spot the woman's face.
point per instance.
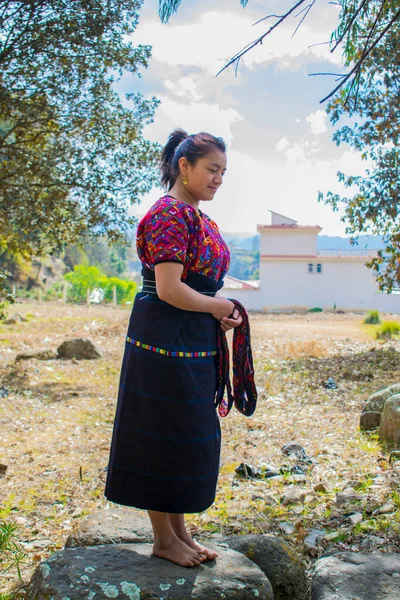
(206, 175)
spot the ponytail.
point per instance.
(168, 172)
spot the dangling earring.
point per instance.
(185, 180)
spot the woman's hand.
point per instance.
(222, 307)
(227, 323)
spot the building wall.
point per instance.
(348, 283)
(288, 241)
(251, 299)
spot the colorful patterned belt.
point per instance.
(178, 353)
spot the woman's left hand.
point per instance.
(230, 323)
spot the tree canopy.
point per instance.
(72, 154)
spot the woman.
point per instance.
(166, 441)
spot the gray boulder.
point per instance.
(130, 571)
(81, 349)
(370, 420)
(353, 576)
(43, 354)
(112, 526)
(389, 428)
(376, 402)
(278, 560)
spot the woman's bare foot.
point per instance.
(189, 541)
(178, 552)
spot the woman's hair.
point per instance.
(192, 147)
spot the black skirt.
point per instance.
(166, 440)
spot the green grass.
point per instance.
(388, 330)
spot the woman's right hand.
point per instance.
(222, 308)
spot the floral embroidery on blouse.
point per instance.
(172, 231)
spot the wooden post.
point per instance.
(14, 289)
(88, 296)
(40, 295)
(64, 294)
(115, 295)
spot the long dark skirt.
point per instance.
(166, 440)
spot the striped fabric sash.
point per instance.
(178, 353)
(244, 394)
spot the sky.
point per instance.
(280, 149)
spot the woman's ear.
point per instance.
(183, 166)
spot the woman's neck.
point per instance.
(179, 192)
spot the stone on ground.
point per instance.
(277, 559)
(389, 429)
(354, 576)
(376, 401)
(42, 354)
(129, 571)
(370, 420)
(81, 349)
(114, 525)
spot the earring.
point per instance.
(185, 180)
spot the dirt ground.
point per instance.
(56, 421)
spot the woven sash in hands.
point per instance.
(244, 389)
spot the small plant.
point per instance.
(316, 309)
(388, 330)
(11, 554)
(372, 318)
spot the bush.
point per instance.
(372, 318)
(84, 277)
(316, 309)
(388, 329)
(54, 292)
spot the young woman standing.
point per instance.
(166, 441)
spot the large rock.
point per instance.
(130, 571)
(376, 402)
(81, 349)
(353, 576)
(112, 526)
(277, 559)
(389, 429)
(43, 354)
(370, 420)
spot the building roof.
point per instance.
(238, 284)
(260, 227)
(328, 254)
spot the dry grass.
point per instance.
(56, 424)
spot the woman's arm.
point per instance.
(171, 289)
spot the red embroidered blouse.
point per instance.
(173, 231)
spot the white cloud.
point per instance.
(317, 121)
(185, 87)
(193, 117)
(217, 36)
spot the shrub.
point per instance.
(316, 309)
(372, 318)
(388, 329)
(54, 292)
(126, 290)
(84, 277)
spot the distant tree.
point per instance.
(72, 154)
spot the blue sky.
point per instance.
(280, 149)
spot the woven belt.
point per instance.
(149, 287)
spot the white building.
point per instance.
(294, 275)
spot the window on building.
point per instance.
(319, 268)
(310, 267)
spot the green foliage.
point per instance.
(85, 276)
(6, 297)
(372, 318)
(388, 330)
(315, 310)
(369, 109)
(72, 154)
(11, 555)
